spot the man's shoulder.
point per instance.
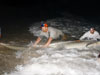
(96, 32)
(52, 28)
(88, 32)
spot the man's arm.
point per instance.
(97, 36)
(48, 42)
(84, 36)
(37, 41)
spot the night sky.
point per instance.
(22, 12)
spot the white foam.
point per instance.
(60, 62)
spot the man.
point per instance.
(50, 33)
(92, 34)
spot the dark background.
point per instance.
(16, 16)
(24, 12)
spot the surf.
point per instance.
(65, 44)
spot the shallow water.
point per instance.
(8, 60)
(49, 61)
(52, 61)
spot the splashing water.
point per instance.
(59, 61)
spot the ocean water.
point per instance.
(56, 61)
(61, 61)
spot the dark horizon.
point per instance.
(13, 12)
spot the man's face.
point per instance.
(92, 30)
(44, 29)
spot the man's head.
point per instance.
(92, 30)
(44, 27)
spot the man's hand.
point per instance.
(34, 45)
(48, 42)
(37, 41)
(45, 46)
